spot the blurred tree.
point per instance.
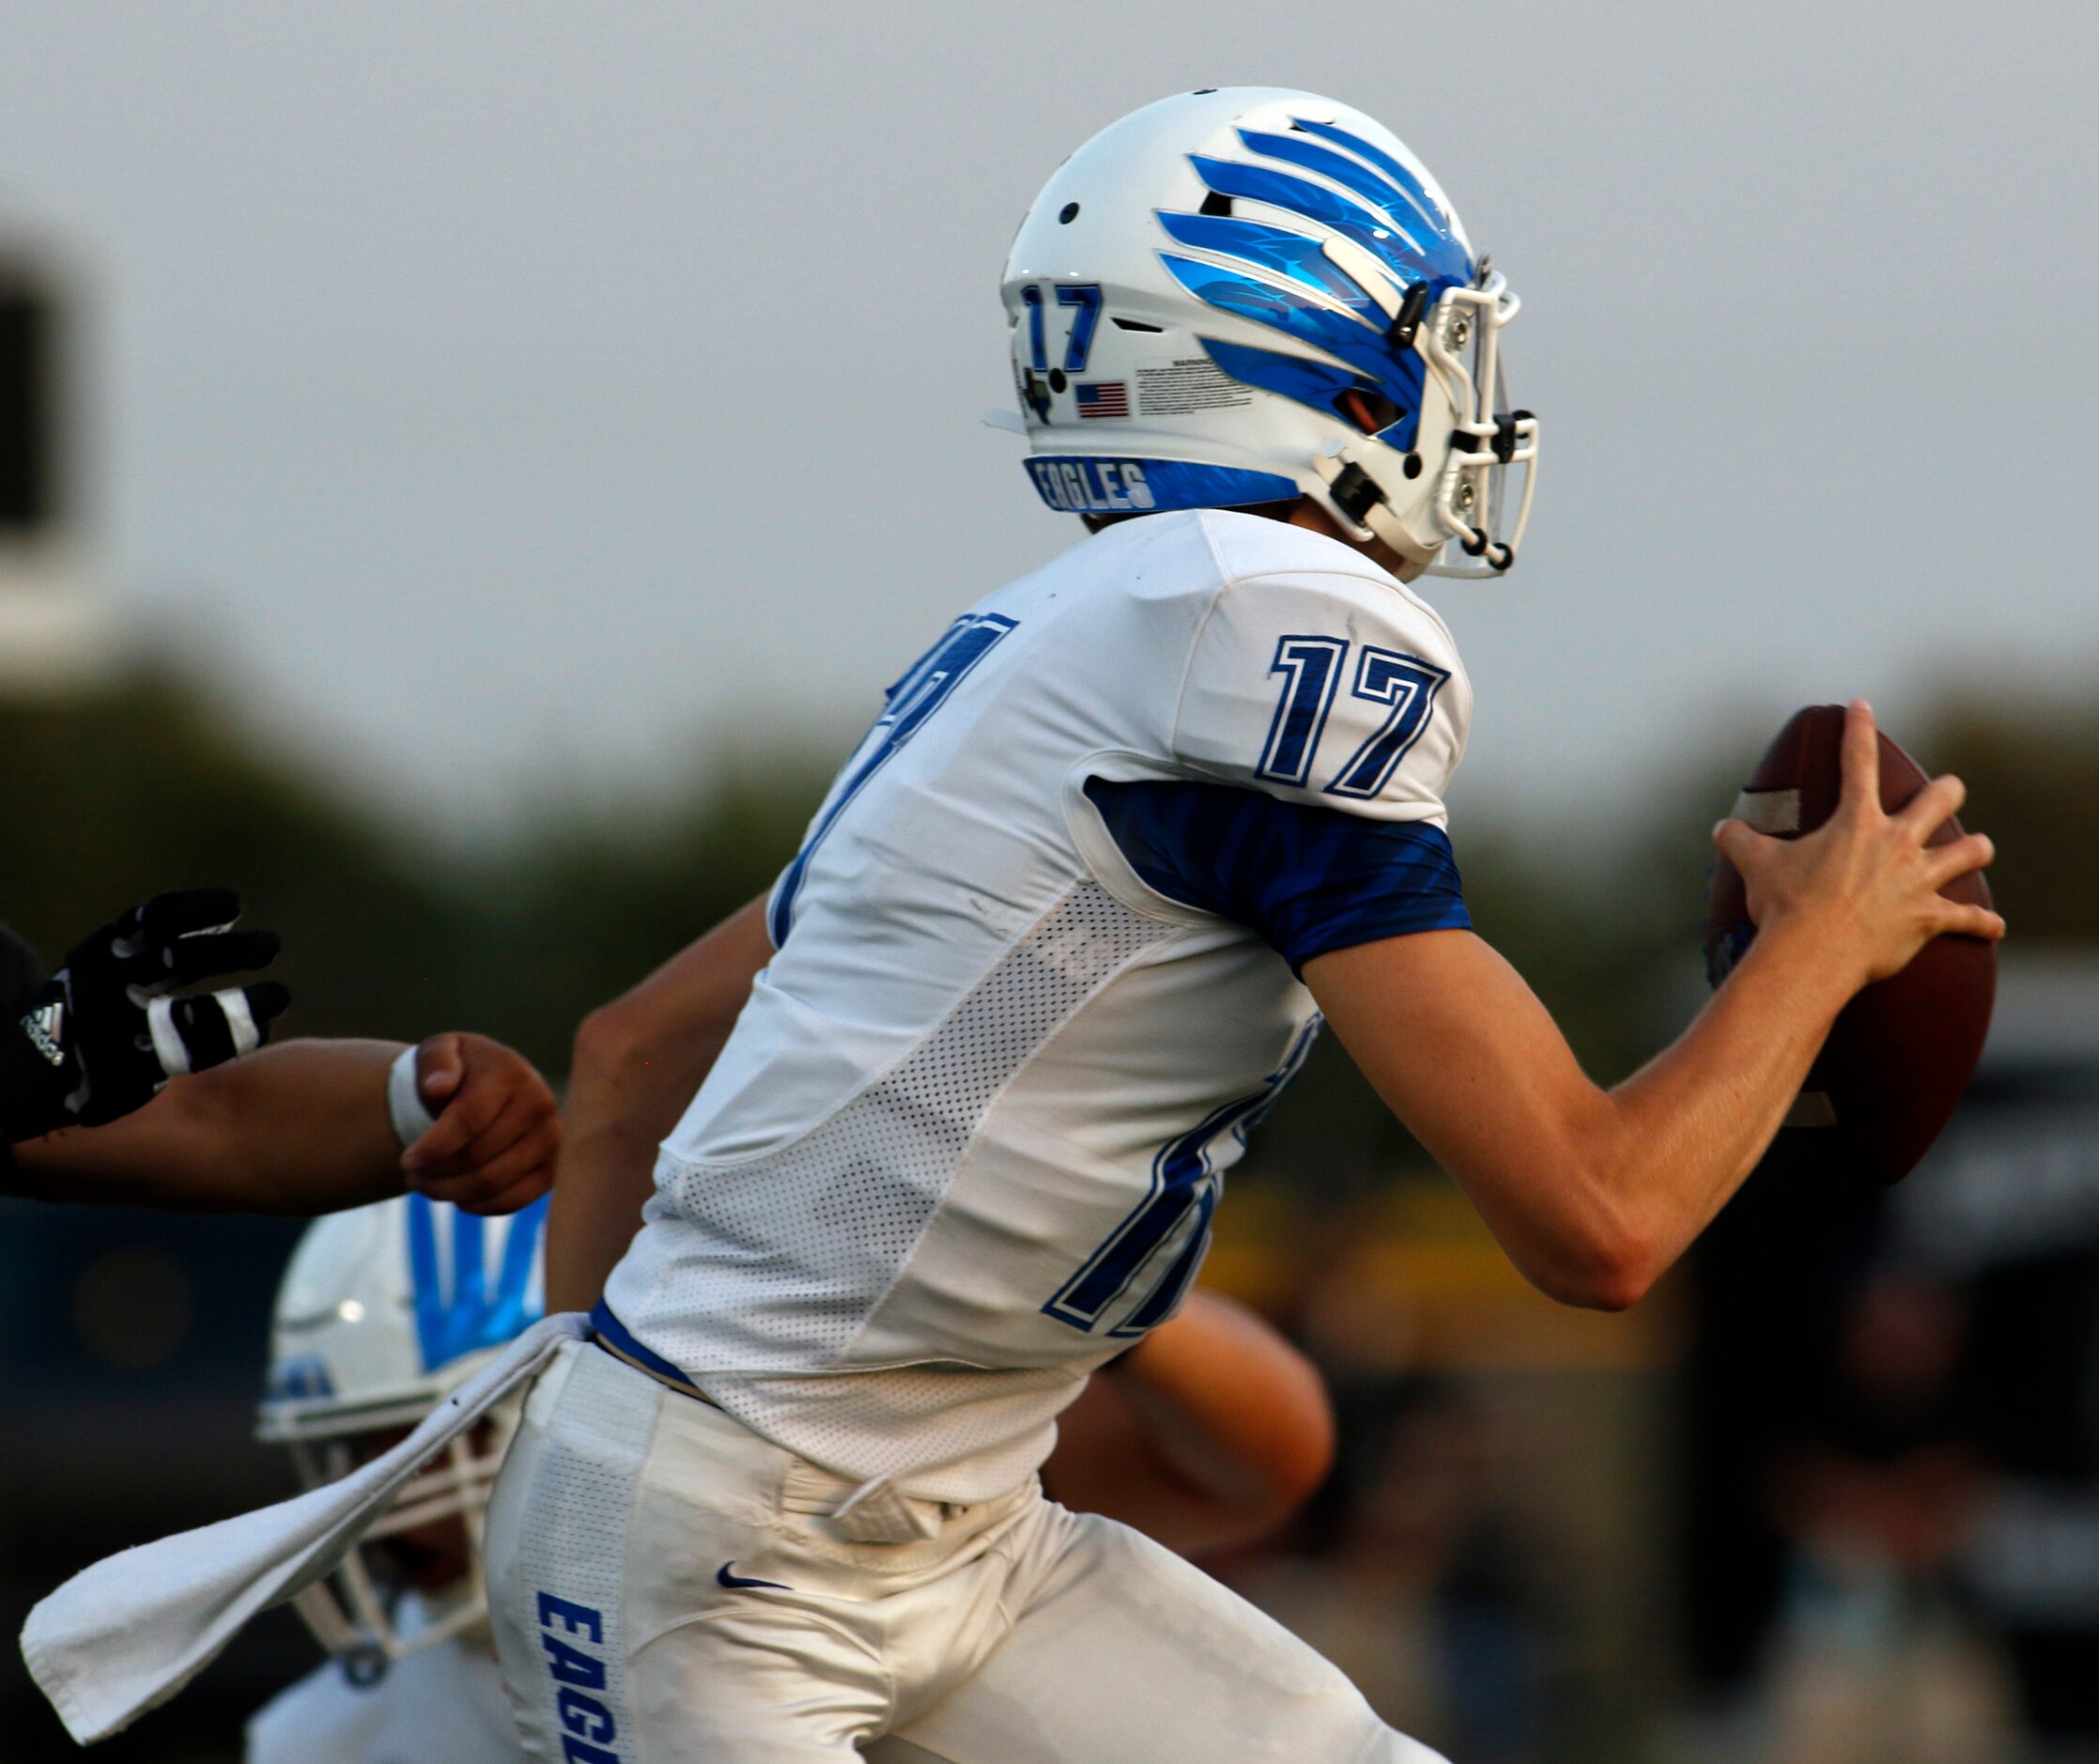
(110, 797)
(2031, 768)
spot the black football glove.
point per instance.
(104, 1034)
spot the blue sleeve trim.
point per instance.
(1309, 879)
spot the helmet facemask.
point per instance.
(1377, 491)
(354, 1611)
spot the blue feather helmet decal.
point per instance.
(1387, 211)
(464, 1313)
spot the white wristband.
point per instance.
(404, 1101)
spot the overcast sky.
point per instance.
(525, 393)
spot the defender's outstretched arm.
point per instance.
(637, 1062)
(303, 1127)
(1595, 1193)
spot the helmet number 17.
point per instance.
(1084, 297)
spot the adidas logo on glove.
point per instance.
(46, 1028)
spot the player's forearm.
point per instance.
(297, 1128)
(1684, 1132)
(1211, 1431)
(1110, 1460)
(637, 1062)
(1240, 1416)
(1592, 1193)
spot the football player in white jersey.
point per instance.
(969, 1078)
(1210, 1436)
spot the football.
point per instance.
(1902, 1052)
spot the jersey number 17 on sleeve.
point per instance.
(1312, 670)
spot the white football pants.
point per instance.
(666, 1589)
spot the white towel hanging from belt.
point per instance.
(125, 1635)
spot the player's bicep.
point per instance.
(1465, 1054)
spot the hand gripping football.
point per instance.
(1902, 1052)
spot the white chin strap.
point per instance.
(1375, 491)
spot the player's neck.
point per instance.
(1308, 514)
(1303, 512)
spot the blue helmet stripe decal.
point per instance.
(426, 1282)
(1388, 198)
(1369, 227)
(1397, 376)
(513, 1310)
(1297, 256)
(1414, 190)
(1310, 383)
(463, 1316)
(1442, 254)
(469, 1291)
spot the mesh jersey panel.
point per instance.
(786, 1257)
(992, 1428)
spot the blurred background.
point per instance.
(467, 472)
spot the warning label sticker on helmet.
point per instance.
(1191, 383)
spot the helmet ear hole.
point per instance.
(1368, 410)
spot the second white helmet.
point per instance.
(1248, 295)
(383, 1313)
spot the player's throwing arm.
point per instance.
(1595, 1193)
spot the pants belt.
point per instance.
(678, 1384)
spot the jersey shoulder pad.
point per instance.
(1329, 685)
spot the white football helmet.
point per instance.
(1243, 296)
(383, 1313)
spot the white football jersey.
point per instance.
(443, 1703)
(966, 1138)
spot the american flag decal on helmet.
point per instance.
(1103, 397)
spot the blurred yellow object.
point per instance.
(1414, 1282)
